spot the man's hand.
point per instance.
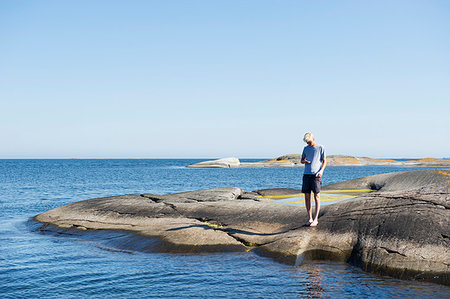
(304, 161)
(319, 174)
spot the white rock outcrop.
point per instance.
(220, 163)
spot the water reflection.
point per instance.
(313, 283)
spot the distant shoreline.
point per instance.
(293, 160)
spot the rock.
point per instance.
(278, 192)
(290, 157)
(253, 196)
(396, 231)
(217, 194)
(220, 163)
(394, 181)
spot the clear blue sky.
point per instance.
(223, 78)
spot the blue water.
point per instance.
(35, 265)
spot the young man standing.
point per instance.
(315, 161)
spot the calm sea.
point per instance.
(35, 265)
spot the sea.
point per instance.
(34, 264)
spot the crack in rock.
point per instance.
(392, 251)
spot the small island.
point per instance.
(293, 160)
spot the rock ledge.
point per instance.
(401, 230)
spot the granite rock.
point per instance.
(401, 230)
(220, 163)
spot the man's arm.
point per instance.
(303, 160)
(324, 164)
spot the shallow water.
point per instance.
(33, 264)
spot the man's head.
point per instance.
(309, 138)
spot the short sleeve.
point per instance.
(323, 155)
(303, 153)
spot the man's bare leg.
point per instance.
(316, 215)
(308, 207)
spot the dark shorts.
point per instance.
(311, 183)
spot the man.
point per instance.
(315, 161)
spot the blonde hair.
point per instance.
(308, 137)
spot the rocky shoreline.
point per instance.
(401, 229)
(332, 160)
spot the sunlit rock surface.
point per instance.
(220, 163)
(401, 229)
